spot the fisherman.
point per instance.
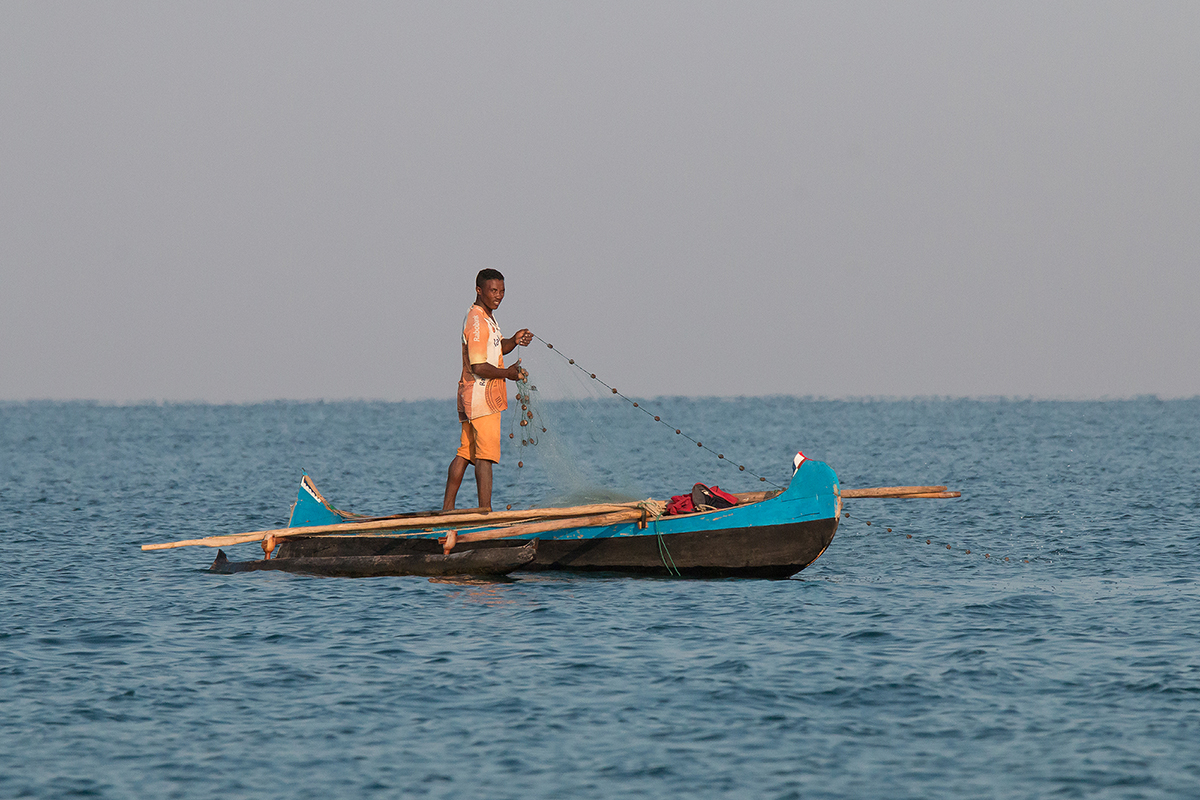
(482, 392)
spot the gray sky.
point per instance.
(245, 201)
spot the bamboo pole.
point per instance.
(430, 521)
(629, 515)
(891, 491)
(454, 512)
(900, 491)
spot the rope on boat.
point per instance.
(651, 414)
(664, 554)
(651, 508)
(653, 511)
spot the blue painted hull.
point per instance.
(773, 538)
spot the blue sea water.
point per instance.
(1065, 663)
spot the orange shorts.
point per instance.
(481, 439)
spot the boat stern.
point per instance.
(311, 508)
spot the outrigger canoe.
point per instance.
(766, 535)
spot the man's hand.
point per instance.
(516, 372)
(522, 337)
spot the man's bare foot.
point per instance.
(451, 540)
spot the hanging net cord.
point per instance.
(652, 415)
(663, 553)
(529, 419)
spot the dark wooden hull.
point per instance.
(764, 551)
(431, 563)
(772, 536)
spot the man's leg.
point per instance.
(454, 477)
(458, 467)
(483, 480)
(487, 453)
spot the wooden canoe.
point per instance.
(768, 535)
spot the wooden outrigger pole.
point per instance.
(900, 492)
(550, 519)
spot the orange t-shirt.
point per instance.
(478, 397)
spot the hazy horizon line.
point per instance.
(1139, 397)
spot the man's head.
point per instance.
(486, 275)
(489, 288)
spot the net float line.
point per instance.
(929, 541)
(652, 415)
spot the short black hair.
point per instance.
(486, 275)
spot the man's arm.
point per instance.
(486, 370)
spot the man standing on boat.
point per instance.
(482, 392)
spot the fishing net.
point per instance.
(561, 450)
(573, 439)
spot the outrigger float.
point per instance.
(773, 534)
(480, 563)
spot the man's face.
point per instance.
(490, 294)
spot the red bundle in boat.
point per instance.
(706, 496)
(680, 504)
